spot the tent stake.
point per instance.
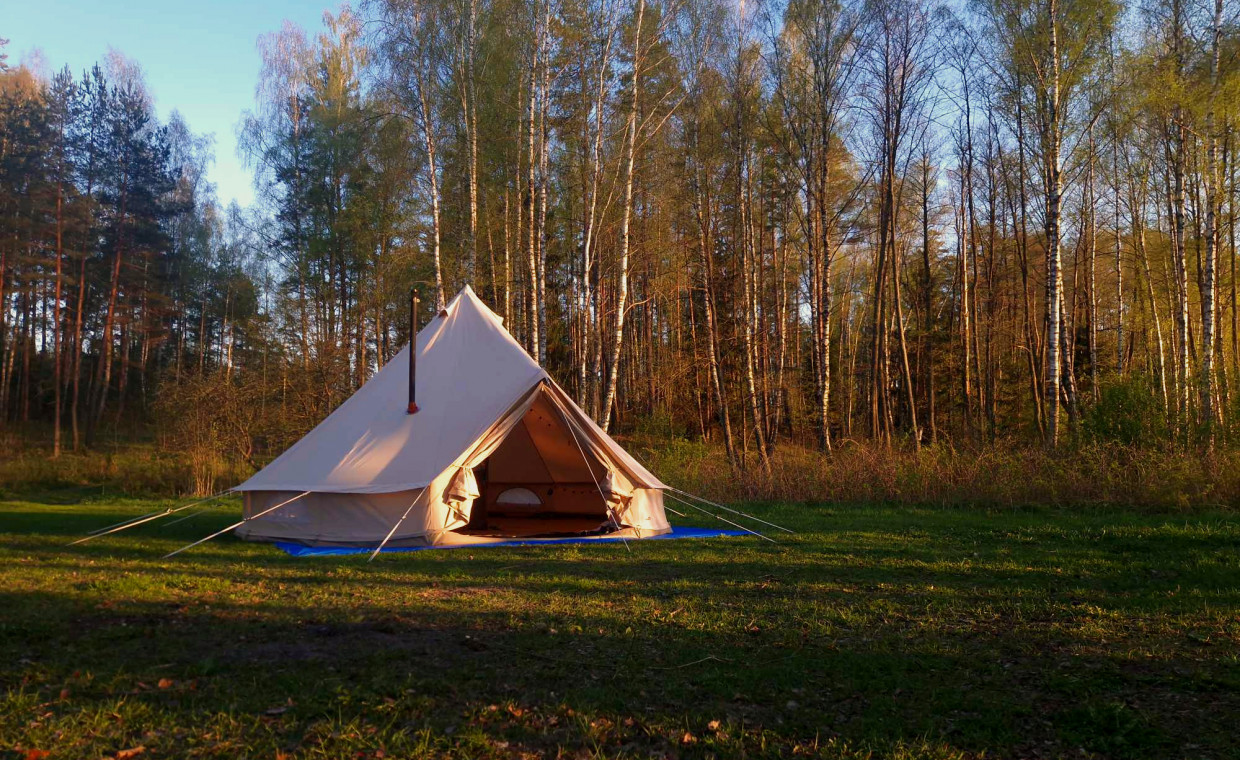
(136, 521)
(729, 509)
(235, 525)
(726, 520)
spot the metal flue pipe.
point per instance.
(413, 351)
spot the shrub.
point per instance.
(213, 422)
(1128, 412)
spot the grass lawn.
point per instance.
(874, 632)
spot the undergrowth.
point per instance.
(1082, 476)
(1001, 475)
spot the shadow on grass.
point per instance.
(1119, 571)
(914, 638)
(284, 674)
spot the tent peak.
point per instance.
(469, 372)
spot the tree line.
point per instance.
(812, 222)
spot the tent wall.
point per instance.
(644, 512)
(364, 519)
(333, 518)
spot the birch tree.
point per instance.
(1052, 68)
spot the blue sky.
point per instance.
(199, 57)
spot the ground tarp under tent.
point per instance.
(301, 550)
(496, 452)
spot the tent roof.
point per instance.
(470, 372)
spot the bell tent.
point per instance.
(492, 450)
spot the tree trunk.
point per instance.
(1212, 201)
(586, 297)
(105, 363)
(529, 202)
(56, 322)
(543, 152)
(428, 137)
(927, 295)
(622, 289)
(1054, 275)
(1092, 303)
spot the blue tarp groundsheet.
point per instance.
(299, 550)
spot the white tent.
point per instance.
(496, 450)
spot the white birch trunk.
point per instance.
(1212, 200)
(1054, 275)
(428, 135)
(622, 288)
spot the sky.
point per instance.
(199, 58)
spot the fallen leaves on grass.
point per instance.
(279, 709)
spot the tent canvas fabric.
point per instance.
(496, 450)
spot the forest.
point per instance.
(776, 236)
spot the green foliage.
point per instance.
(211, 422)
(874, 631)
(134, 469)
(1128, 412)
(661, 426)
(225, 426)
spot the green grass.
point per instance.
(874, 632)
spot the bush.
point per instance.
(1128, 412)
(215, 423)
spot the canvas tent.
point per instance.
(496, 450)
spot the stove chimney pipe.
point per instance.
(413, 351)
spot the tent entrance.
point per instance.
(537, 483)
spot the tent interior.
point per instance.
(539, 483)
